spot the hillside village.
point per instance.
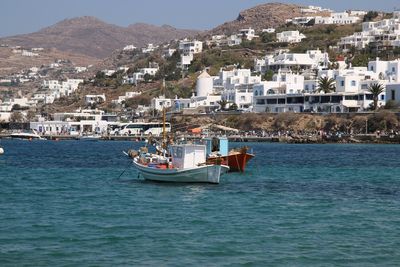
(315, 65)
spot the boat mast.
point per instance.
(164, 132)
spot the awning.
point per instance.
(196, 130)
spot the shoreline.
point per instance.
(290, 139)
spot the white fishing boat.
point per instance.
(187, 164)
(27, 135)
(1, 151)
(183, 163)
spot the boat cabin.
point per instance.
(217, 145)
(188, 155)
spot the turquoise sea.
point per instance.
(64, 204)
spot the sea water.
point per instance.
(75, 203)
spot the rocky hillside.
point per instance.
(92, 37)
(14, 62)
(260, 17)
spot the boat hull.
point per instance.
(27, 136)
(237, 162)
(90, 138)
(201, 174)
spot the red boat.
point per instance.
(236, 159)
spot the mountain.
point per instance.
(260, 17)
(92, 37)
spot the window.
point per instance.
(372, 68)
(336, 98)
(382, 97)
(351, 97)
(353, 83)
(281, 101)
(393, 69)
(272, 101)
(341, 83)
(256, 93)
(393, 95)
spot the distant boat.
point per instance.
(27, 135)
(217, 151)
(90, 137)
(187, 164)
(1, 151)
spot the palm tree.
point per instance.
(326, 85)
(376, 89)
(223, 104)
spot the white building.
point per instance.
(168, 52)
(312, 59)
(22, 102)
(138, 77)
(5, 116)
(129, 48)
(268, 30)
(234, 40)
(290, 37)
(217, 40)
(161, 102)
(187, 47)
(393, 92)
(93, 99)
(337, 18)
(45, 98)
(236, 86)
(26, 53)
(357, 13)
(300, 20)
(108, 73)
(248, 34)
(387, 70)
(74, 123)
(61, 88)
(125, 97)
(133, 78)
(80, 69)
(186, 60)
(351, 93)
(149, 48)
(386, 32)
(314, 9)
(205, 97)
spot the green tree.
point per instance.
(233, 107)
(268, 37)
(223, 104)
(370, 16)
(376, 89)
(268, 75)
(133, 102)
(147, 77)
(326, 85)
(16, 116)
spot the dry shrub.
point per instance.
(382, 121)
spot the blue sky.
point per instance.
(24, 16)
